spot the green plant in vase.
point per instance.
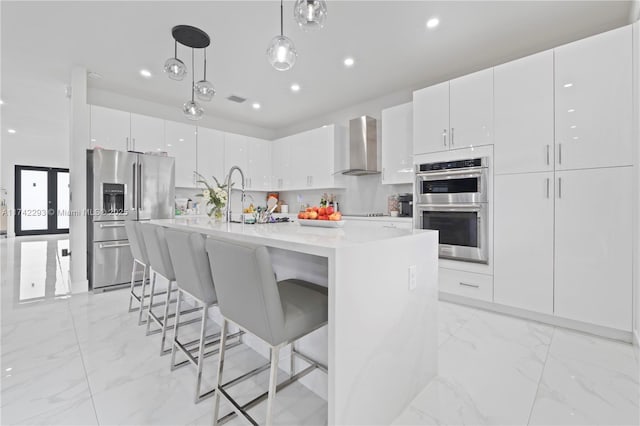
(215, 197)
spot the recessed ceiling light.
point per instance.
(349, 62)
(169, 145)
(145, 73)
(256, 105)
(432, 23)
(574, 126)
(1, 102)
(568, 85)
(12, 131)
(295, 87)
(181, 140)
(93, 139)
(571, 110)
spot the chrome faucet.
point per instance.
(228, 182)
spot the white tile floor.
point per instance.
(83, 360)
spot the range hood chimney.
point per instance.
(363, 147)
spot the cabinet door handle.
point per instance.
(548, 158)
(133, 144)
(383, 169)
(310, 180)
(469, 285)
(127, 139)
(548, 184)
(559, 187)
(444, 137)
(452, 136)
(559, 153)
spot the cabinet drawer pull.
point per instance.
(452, 140)
(559, 153)
(468, 285)
(548, 158)
(559, 187)
(548, 184)
(444, 137)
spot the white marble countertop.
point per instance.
(290, 236)
(379, 218)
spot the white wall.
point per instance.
(169, 112)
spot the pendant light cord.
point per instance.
(205, 63)
(193, 81)
(175, 50)
(281, 18)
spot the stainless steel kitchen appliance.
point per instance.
(405, 205)
(452, 199)
(122, 186)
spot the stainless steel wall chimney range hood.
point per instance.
(363, 147)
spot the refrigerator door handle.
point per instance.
(140, 186)
(134, 188)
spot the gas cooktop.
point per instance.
(375, 214)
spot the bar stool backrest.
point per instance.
(155, 241)
(247, 289)
(136, 241)
(191, 265)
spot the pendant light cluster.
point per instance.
(310, 15)
(194, 38)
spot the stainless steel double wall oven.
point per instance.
(452, 198)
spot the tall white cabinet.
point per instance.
(431, 119)
(593, 246)
(147, 133)
(397, 144)
(110, 128)
(593, 84)
(210, 154)
(180, 140)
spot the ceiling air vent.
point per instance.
(236, 99)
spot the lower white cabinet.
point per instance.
(523, 241)
(467, 284)
(593, 246)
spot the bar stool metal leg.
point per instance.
(151, 294)
(201, 354)
(142, 295)
(165, 321)
(176, 326)
(273, 381)
(223, 342)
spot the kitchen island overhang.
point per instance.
(380, 343)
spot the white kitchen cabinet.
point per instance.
(281, 163)
(467, 284)
(524, 117)
(180, 139)
(110, 128)
(471, 110)
(319, 149)
(523, 241)
(431, 119)
(593, 246)
(593, 97)
(235, 151)
(301, 160)
(397, 144)
(259, 164)
(210, 158)
(147, 133)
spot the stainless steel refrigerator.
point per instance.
(122, 186)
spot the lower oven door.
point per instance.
(463, 229)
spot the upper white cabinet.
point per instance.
(110, 128)
(397, 144)
(235, 151)
(523, 92)
(147, 133)
(281, 163)
(455, 114)
(210, 158)
(259, 164)
(431, 119)
(523, 241)
(471, 110)
(593, 98)
(181, 143)
(593, 246)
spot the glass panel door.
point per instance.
(42, 200)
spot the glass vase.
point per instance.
(217, 214)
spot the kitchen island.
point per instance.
(380, 343)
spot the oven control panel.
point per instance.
(451, 165)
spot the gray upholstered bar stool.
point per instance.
(140, 257)
(160, 262)
(193, 277)
(279, 313)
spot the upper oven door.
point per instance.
(462, 229)
(452, 186)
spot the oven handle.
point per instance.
(471, 172)
(450, 207)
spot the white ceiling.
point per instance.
(392, 48)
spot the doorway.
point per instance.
(42, 200)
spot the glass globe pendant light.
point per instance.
(174, 67)
(310, 14)
(191, 109)
(281, 52)
(204, 89)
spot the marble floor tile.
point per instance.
(588, 380)
(76, 413)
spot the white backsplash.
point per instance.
(362, 194)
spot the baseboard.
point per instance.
(610, 333)
(81, 286)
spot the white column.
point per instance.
(79, 135)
